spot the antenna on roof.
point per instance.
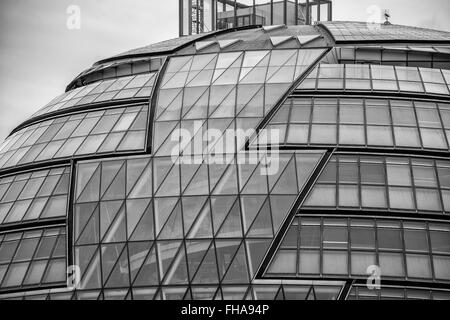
(386, 16)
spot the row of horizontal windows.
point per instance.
(401, 249)
(36, 195)
(139, 86)
(418, 185)
(377, 77)
(397, 293)
(118, 129)
(32, 258)
(362, 122)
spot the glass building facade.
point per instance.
(280, 162)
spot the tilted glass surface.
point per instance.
(36, 195)
(380, 78)
(115, 129)
(346, 247)
(394, 183)
(136, 86)
(362, 122)
(33, 258)
(148, 222)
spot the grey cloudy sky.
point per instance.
(39, 55)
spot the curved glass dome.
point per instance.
(251, 163)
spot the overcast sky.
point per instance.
(40, 55)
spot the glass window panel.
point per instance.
(440, 241)
(384, 85)
(401, 198)
(348, 196)
(379, 136)
(398, 175)
(324, 134)
(416, 240)
(428, 199)
(351, 134)
(428, 117)
(310, 236)
(406, 137)
(15, 274)
(31, 188)
(353, 114)
(372, 173)
(418, 266)
(372, 196)
(300, 113)
(7, 250)
(134, 140)
(298, 133)
(424, 176)
(309, 262)
(335, 262)
(35, 272)
(441, 267)
(403, 115)
(433, 138)
(334, 237)
(377, 112)
(91, 144)
(26, 249)
(362, 238)
(284, 262)
(322, 195)
(391, 264)
(389, 239)
(361, 261)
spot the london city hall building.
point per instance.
(132, 185)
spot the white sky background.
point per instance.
(39, 55)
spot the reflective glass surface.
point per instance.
(35, 195)
(348, 246)
(32, 258)
(118, 129)
(395, 183)
(362, 122)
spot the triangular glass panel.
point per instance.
(227, 59)
(228, 182)
(216, 170)
(148, 273)
(218, 93)
(161, 169)
(109, 171)
(305, 163)
(135, 170)
(279, 40)
(119, 276)
(143, 187)
(135, 210)
(191, 209)
(273, 27)
(226, 43)
(110, 255)
(167, 250)
(117, 188)
(144, 229)
(165, 98)
(229, 76)
(255, 107)
(221, 206)
(199, 184)
(90, 234)
(202, 228)
(138, 252)
(199, 109)
(108, 211)
(262, 225)
(171, 184)
(255, 58)
(83, 256)
(250, 206)
(257, 184)
(308, 38)
(231, 227)
(226, 250)
(282, 160)
(173, 229)
(207, 271)
(280, 204)
(91, 191)
(191, 96)
(227, 107)
(245, 93)
(92, 276)
(173, 110)
(256, 250)
(273, 93)
(238, 270)
(162, 132)
(83, 213)
(245, 170)
(179, 64)
(196, 251)
(305, 60)
(187, 172)
(117, 231)
(163, 208)
(178, 271)
(199, 45)
(287, 183)
(85, 171)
